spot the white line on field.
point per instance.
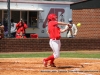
(77, 70)
(91, 63)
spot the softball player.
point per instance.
(54, 35)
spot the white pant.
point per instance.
(55, 45)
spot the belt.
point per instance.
(55, 39)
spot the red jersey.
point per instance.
(54, 30)
(21, 28)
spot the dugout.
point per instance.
(88, 14)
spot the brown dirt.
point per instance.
(34, 66)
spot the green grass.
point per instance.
(81, 55)
(66, 54)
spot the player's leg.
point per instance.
(51, 57)
(55, 45)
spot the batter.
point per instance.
(54, 35)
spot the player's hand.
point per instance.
(69, 25)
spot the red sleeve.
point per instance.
(18, 30)
(25, 26)
(18, 24)
(55, 23)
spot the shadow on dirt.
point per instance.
(63, 67)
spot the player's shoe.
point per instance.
(52, 65)
(45, 63)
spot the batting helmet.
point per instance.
(52, 17)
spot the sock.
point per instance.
(50, 58)
(52, 61)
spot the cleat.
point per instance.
(52, 65)
(45, 63)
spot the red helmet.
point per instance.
(52, 17)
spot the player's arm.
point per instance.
(65, 29)
(62, 30)
(62, 23)
(18, 24)
(25, 26)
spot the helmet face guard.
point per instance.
(52, 17)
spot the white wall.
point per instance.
(42, 15)
(58, 9)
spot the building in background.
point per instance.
(35, 12)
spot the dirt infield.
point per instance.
(34, 66)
